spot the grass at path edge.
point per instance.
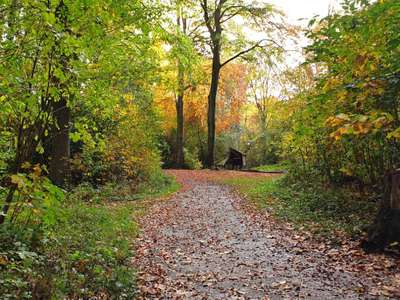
(321, 210)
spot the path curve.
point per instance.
(202, 244)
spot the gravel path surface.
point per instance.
(203, 244)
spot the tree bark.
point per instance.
(60, 143)
(179, 155)
(60, 148)
(264, 148)
(214, 20)
(395, 190)
(212, 99)
(386, 227)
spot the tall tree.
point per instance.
(184, 59)
(182, 25)
(218, 17)
(52, 55)
(59, 141)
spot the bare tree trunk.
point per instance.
(395, 190)
(212, 99)
(179, 155)
(60, 143)
(264, 140)
(386, 227)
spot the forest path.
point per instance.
(204, 243)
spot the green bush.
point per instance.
(86, 252)
(192, 161)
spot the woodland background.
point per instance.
(97, 96)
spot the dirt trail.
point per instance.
(202, 244)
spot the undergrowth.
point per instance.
(86, 253)
(272, 168)
(315, 207)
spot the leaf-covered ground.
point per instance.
(207, 243)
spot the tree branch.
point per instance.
(230, 16)
(239, 8)
(207, 19)
(241, 53)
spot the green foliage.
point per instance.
(97, 60)
(101, 263)
(131, 151)
(264, 149)
(347, 125)
(37, 200)
(194, 141)
(158, 185)
(271, 168)
(86, 253)
(56, 261)
(191, 160)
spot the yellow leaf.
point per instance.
(18, 180)
(394, 134)
(3, 260)
(26, 165)
(37, 170)
(346, 171)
